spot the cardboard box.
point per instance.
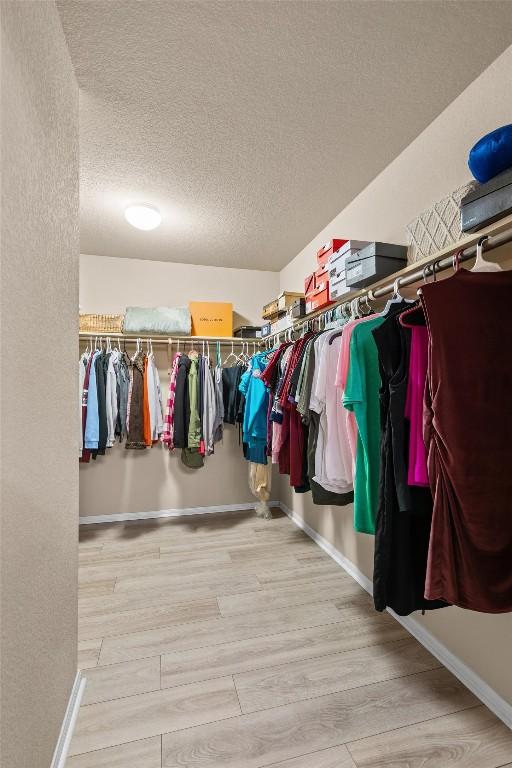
(283, 302)
(286, 299)
(270, 310)
(282, 324)
(210, 318)
(321, 278)
(318, 300)
(309, 283)
(374, 262)
(324, 253)
(298, 308)
(339, 289)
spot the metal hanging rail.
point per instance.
(156, 339)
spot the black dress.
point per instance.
(404, 513)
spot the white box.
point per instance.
(282, 324)
(339, 258)
(340, 289)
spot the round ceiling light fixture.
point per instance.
(143, 216)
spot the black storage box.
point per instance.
(487, 203)
(374, 262)
(299, 308)
(248, 332)
(266, 330)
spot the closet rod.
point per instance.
(223, 340)
(438, 265)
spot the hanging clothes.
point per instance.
(86, 453)
(333, 459)
(417, 472)
(404, 514)
(254, 432)
(190, 453)
(82, 367)
(101, 364)
(92, 426)
(181, 403)
(123, 381)
(361, 395)
(136, 427)
(468, 433)
(219, 405)
(209, 409)
(111, 396)
(311, 419)
(231, 392)
(168, 428)
(260, 481)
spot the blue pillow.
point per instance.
(492, 154)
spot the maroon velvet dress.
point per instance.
(468, 432)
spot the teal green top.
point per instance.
(362, 396)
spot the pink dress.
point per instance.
(417, 470)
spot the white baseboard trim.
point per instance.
(68, 724)
(172, 513)
(465, 674)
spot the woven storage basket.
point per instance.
(101, 323)
(438, 227)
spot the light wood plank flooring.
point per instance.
(224, 641)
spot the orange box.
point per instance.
(210, 318)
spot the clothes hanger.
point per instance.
(231, 354)
(395, 298)
(353, 310)
(369, 307)
(481, 264)
(346, 318)
(409, 316)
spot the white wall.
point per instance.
(433, 165)
(110, 285)
(133, 481)
(39, 293)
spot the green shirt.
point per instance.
(362, 396)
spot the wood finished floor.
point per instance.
(231, 642)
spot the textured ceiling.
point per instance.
(252, 124)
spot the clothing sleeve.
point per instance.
(354, 387)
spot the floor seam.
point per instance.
(237, 695)
(216, 645)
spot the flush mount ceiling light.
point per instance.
(143, 216)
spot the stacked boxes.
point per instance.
(317, 285)
(277, 313)
(337, 267)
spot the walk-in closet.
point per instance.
(256, 415)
